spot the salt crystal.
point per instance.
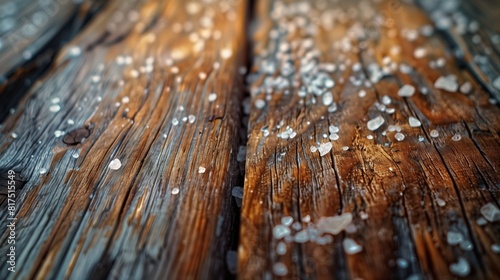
(281, 231)
(440, 202)
(175, 190)
(334, 136)
(386, 100)
(454, 238)
(414, 122)
(14, 135)
(54, 108)
(490, 212)
(351, 247)
(324, 148)
(466, 245)
(434, 133)
(95, 78)
(419, 52)
(345, 148)
(447, 83)
(281, 249)
(496, 83)
(327, 98)
(460, 268)
(406, 91)
(259, 103)
(301, 236)
(362, 93)
(191, 118)
(212, 97)
(58, 133)
(403, 263)
(201, 169)
(43, 171)
(287, 220)
(375, 123)
(399, 136)
(335, 224)
(125, 100)
(466, 88)
(226, 53)
(495, 248)
(314, 149)
(75, 51)
(280, 269)
(115, 164)
(481, 221)
(456, 137)
(75, 155)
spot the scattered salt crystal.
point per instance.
(403, 263)
(399, 136)
(495, 248)
(414, 122)
(490, 212)
(175, 190)
(75, 155)
(191, 118)
(327, 98)
(481, 221)
(95, 78)
(14, 135)
(201, 169)
(406, 91)
(448, 83)
(43, 171)
(301, 236)
(375, 123)
(362, 93)
(335, 224)
(440, 202)
(281, 249)
(115, 164)
(306, 219)
(287, 220)
(345, 148)
(369, 137)
(259, 103)
(419, 52)
(454, 238)
(334, 136)
(434, 133)
(54, 108)
(125, 100)
(226, 53)
(280, 269)
(324, 148)
(466, 245)
(212, 97)
(75, 51)
(466, 88)
(314, 149)
(281, 231)
(175, 121)
(460, 268)
(58, 133)
(386, 100)
(351, 247)
(496, 83)
(456, 137)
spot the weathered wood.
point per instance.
(405, 196)
(138, 78)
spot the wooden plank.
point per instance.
(138, 81)
(415, 202)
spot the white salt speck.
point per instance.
(125, 100)
(281, 231)
(70, 122)
(212, 97)
(55, 100)
(490, 212)
(420, 52)
(460, 268)
(327, 98)
(54, 108)
(466, 245)
(287, 220)
(448, 83)
(454, 238)
(466, 88)
(434, 133)
(201, 169)
(386, 100)
(96, 78)
(456, 137)
(345, 148)
(414, 122)
(399, 136)
(175, 121)
(43, 171)
(115, 164)
(75, 155)
(335, 224)
(259, 103)
(369, 137)
(403, 263)
(324, 148)
(334, 136)
(226, 53)
(301, 236)
(495, 248)
(281, 249)
(496, 83)
(481, 221)
(58, 133)
(306, 219)
(440, 202)
(175, 190)
(14, 135)
(351, 247)
(362, 93)
(191, 118)
(375, 123)
(280, 269)
(75, 51)
(406, 91)
(314, 149)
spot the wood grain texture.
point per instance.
(138, 80)
(405, 196)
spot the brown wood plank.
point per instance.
(136, 83)
(415, 202)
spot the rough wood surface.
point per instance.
(405, 196)
(136, 82)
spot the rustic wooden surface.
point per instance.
(122, 82)
(404, 196)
